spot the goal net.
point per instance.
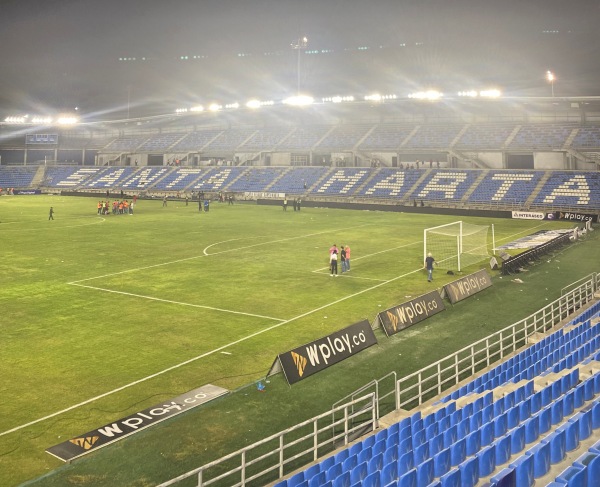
(456, 245)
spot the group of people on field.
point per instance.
(122, 207)
(343, 254)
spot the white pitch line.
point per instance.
(54, 227)
(346, 276)
(206, 354)
(177, 302)
(215, 253)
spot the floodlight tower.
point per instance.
(299, 45)
(550, 77)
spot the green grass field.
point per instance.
(114, 314)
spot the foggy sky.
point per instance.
(47, 46)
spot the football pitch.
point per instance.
(103, 316)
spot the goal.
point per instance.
(456, 245)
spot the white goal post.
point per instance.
(456, 245)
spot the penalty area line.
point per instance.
(180, 303)
(204, 355)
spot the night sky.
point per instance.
(61, 54)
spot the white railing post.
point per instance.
(281, 457)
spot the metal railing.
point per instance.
(283, 452)
(420, 386)
(280, 454)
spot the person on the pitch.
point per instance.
(429, 261)
(333, 259)
(51, 215)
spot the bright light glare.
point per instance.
(550, 76)
(232, 105)
(198, 108)
(67, 120)
(471, 93)
(215, 107)
(426, 95)
(42, 120)
(253, 104)
(181, 110)
(490, 93)
(300, 100)
(16, 119)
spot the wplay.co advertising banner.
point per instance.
(407, 314)
(572, 216)
(110, 433)
(467, 286)
(313, 357)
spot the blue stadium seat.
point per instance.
(391, 454)
(365, 455)
(487, 460)
(524, 470)
(517, 439)
(442, 462)
(487, 434)
(502, 446)
(573, 477)
(545, 420)
(334, 471)
(421, 453)
(500, 425)
(376, 463)
(343, 480)
(405, 463)
(436, 444)
(425, 473)
(473, 442)
(558, 446)
(469, 472)
(541, 459)
(458, 452)
(372, 480)
(296, 479)
(389, 473)
(317, 480)
(409, 479)
(350, 463)
(326, 464)
(451, 479)
(358, 473)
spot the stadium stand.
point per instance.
(304, 138)
(433, 136)
(484, 136)
(588, 137)
(256, 179)
(230, 140)
(342, 181)
(69, 176)
(145, 178)
(218, 178)
(125, 143)
(512, 424)
(445, 185)
(510, 187)
(160, 142)
(180, 178)
(541, 136)
(344, 137)
(390, 182)
(386, 137)
(111, 177)
(266, 139)
(571, 189)
(17, 176)
(196, 141)
(298, 179)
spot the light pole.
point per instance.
(299, 45)
(550, 77)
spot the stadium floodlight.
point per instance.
(181, 110)
(16, 119)
(373, 97)
(232, 106)
(490, 93)
(215, 107)
(551, 78)
(66, 120)
(426, 95)
(253, 104)
(470, 93)
(298, 101)
(41, 120)
(197, 108)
